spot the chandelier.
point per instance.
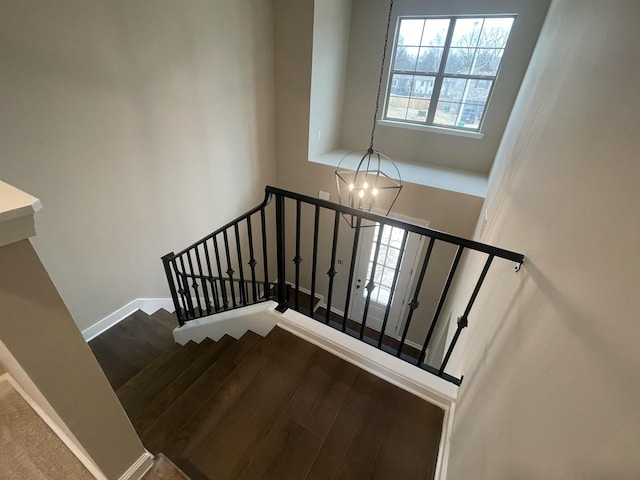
(368, 178)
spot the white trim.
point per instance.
(147, 305)
(432, 128)
(68, 442)
(17, 210)
(139, 467)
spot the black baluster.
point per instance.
(463, 321)
(297, 259)
(252, 261)
(230, 271)
(443, 297)
(194, 283)
(263, 222)
(205, 291)
(414, 303)
(242, 285)
(352, 267)
(371, 284)
(332, 269)
(214, 290)
(314, 261)
(185, 289)
(223, 288)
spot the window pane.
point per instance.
(410, 32)
(453, 89)
(487, 61)
(495, 32)
(446, 114)
(467, 32)
(470, 116)
(478, 92)
(418, 109)
(406, 58)
(399, 98)
(435, 32)
(429, 59)
(460, 60)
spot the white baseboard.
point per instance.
(147, 305)
(139, 467)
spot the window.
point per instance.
(444, 69)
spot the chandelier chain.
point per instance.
(384, 56)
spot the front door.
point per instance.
(385, 269)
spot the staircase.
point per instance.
(276, 407)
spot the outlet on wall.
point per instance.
(324, 195)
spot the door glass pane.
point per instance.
(386, 264)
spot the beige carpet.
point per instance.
(30, 449)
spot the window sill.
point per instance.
(444, 178)
(430, 128)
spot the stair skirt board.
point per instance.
(233, 322)
(263, 317)
(147, 305)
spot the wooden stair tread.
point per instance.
(156, 435)
(166, 318)
(240, 414)
(135, 395)
(191, 372)
(130, 346)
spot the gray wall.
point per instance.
(140, 125)
(551, 383)
(39, 333)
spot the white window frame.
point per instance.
(429, 123)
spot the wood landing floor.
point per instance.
(264, 408)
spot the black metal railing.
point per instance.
(213, 274)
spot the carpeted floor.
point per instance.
(30, 449)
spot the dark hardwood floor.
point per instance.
(266, 408)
